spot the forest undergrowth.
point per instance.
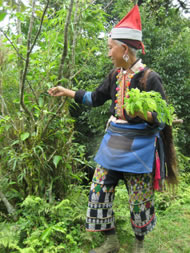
(59, 227)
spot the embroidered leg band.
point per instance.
(141, 200)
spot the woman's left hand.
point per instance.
(141, 115)
(134, 115)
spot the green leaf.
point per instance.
(63, 203)
(46, 233)
(56, 160)
(24, 136)
(27, 250)
(15, 142)
(41, 102)
(2, 16)
(59, 229)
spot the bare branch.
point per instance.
(27, 63)
(15, 48)
(29, 50)
(76, 18)
(18, 24)
(40, 28)
(75, 34)
(64, 53)
(30, 27)
(19, 43)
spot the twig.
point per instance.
(15, 48)
(92, 2)
(73, 76)
(108, 4)
(177, 121)
(52, 155)
(50, 120)
(36, 100)
(64, 53)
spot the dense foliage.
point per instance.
(46, 144)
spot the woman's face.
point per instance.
(116, 53)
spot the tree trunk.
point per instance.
(10, 208)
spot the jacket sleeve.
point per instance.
(97, 97)
(154, 82)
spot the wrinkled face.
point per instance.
(116, 53)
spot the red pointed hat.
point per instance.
(129, 27)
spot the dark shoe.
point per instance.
(138, 246)
(111, 245)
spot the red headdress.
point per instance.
(129, 28)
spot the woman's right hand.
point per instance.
(61, 91)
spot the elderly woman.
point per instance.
(131, 149)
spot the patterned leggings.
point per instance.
(100, 215)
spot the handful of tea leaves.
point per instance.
(148, 101)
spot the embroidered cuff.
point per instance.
(87, 98)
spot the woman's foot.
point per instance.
(111, 245)
(138, 246)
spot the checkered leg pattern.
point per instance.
(100, 216)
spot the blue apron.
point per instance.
(128, 148)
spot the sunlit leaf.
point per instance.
(2, 15)
(24, 136)
(56, 160)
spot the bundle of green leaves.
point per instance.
(137, 101)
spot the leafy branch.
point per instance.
(137, 101)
